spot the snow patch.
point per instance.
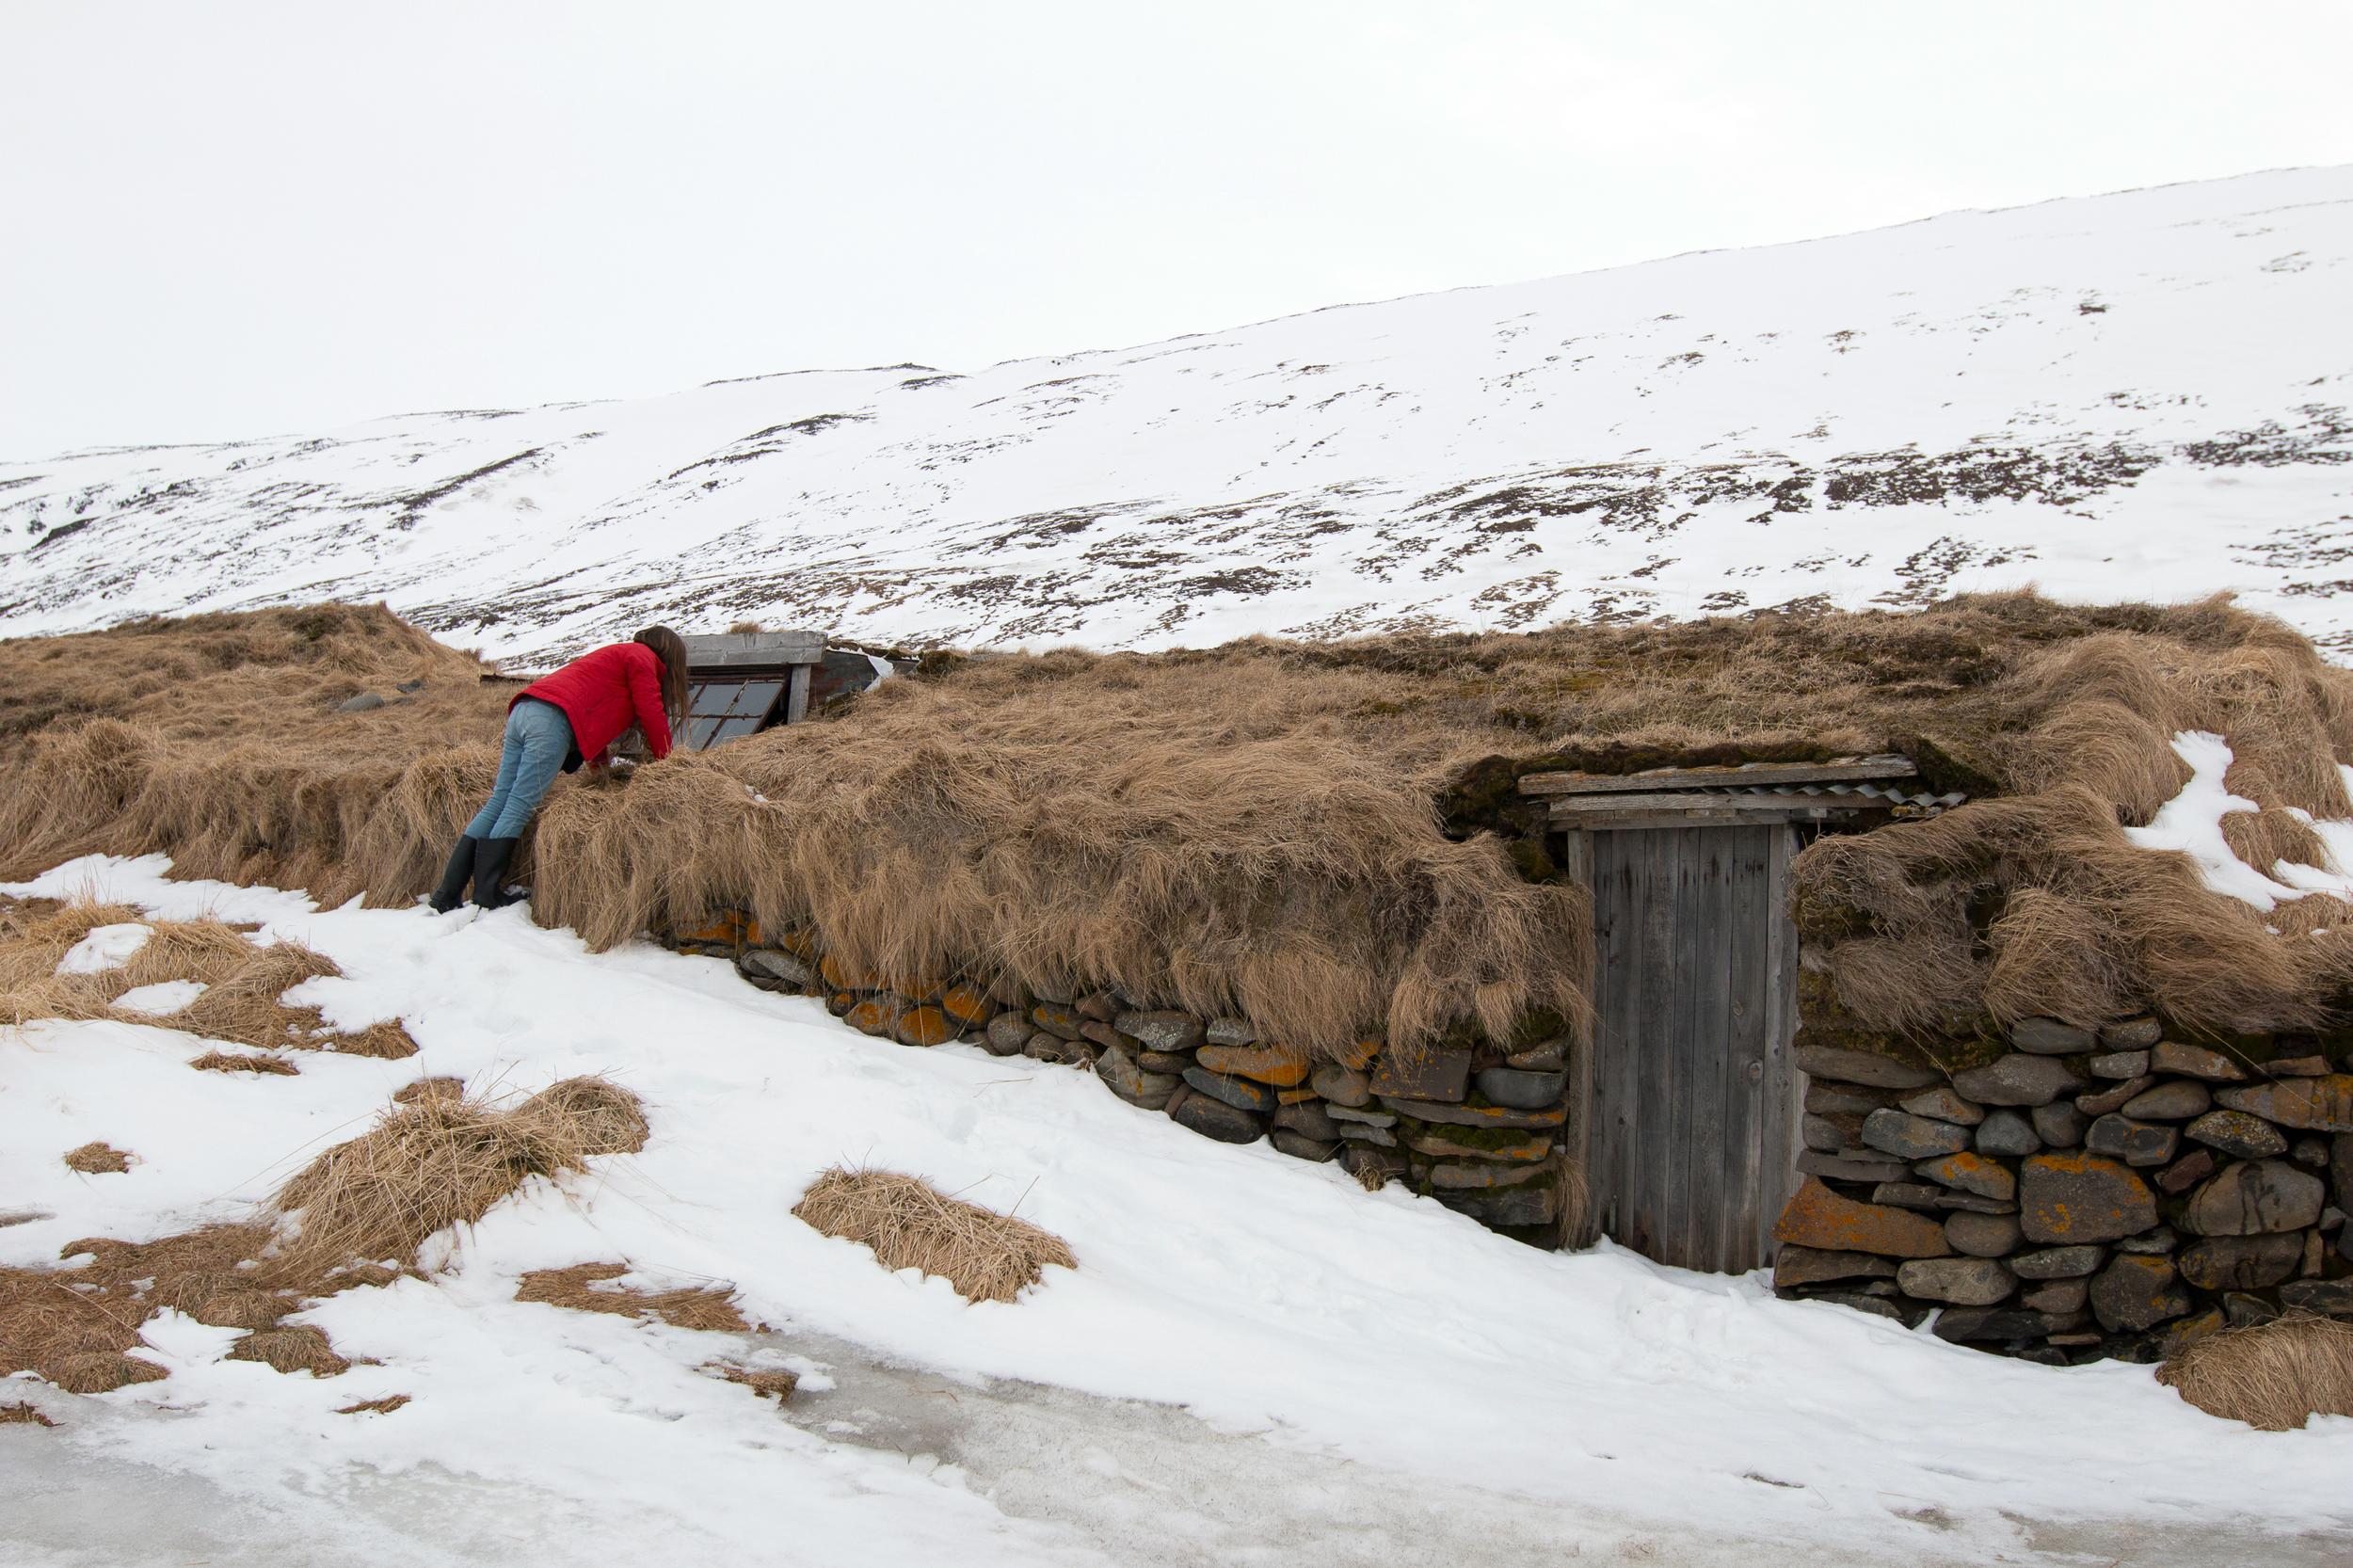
(2191, 823)
(107, 946)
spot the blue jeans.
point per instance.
(538, 738)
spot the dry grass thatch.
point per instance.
(97, 1159)
(22, 1410)
(584, 1289)
(1323, 838)
(441, 1161)
(2272, 1376)
(911, 1224)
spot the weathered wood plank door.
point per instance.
(1691, 1092)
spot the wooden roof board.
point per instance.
(1747, 775)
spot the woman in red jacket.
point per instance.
(570, 715)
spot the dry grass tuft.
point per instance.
(381, 1407)
(441, 1161)
(577, 1288)
(232, 1062)
(22, 1410)
(2272, 1376)
(429, 1088)
(290, 1350)
(99, 1372)
(910, 1225)
(767, 1382)
(97, 1159)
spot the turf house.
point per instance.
(1990, 959)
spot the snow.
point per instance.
(2191, 823)
(107, 946)
(163, 997)
(2138, 393)
(1361, 1345)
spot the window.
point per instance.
(720, 711)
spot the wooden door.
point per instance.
(1690, 1133)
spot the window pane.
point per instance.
(731, 729)
(698, 732)
(756, 698)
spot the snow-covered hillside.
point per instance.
(2132, 395)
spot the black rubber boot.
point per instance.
(489, 873)
(454, 879)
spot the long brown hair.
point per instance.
(671, 649)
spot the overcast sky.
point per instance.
(228, 220)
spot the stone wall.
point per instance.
(1476, 1123)
(2066, 1195)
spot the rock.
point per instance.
(2257, 1197)
(365, 702)
(1820, 1218)
(2241, 1262)
(1523, 1091)
(1517, 1148)
(1957, 1281)
(2071, 1198)
(1300, 1146)
(2060, 1296)
(1981, 1235)
(2134, 1142)
(1940, 1104)
(1862, 1066)
(1213, 1117)
(2007, 1132)
(1428, 1075)
(1969, 1203)
(1907, 1194)
(1831, 1134)
(1356, 1132)
(2131, 1034)
(1873, 1305)
(2177, 1100)
(1124, 1075)
(1833, 1168)
(1341, 1085)
(2113, 1099)
(1005, 991)
(2050, 1038)
(1274, 1065)
(2018, 1079)
(1509, 1206)
(2182, 1335)
(1101, 1006)
(1795, 1265)
(970, 1005)
(1908, 1137)
(925, 1026)
(2059, 1262)
(2135, 1293)
(1358, 1160)
(2173, 1056)
(2340, 1169)
(2119, 1065)
(1105, 1035)
(1972, 1173)
(2187, 1172)
(1059, 1020)
(1971, 1324)
(2150, 1243)
(1309, 1120)
(2237, 1133)
(2245, 1311)
(1546, 1056)
(2311, 1151)
(1230, 1031)
(1242, 1093)
(2060, 1124)
(1173, 1063)
(1337, 1111)
(874, 1016)
(772, 971)
(2306, 1104)
(1468, 1176)
(2334, 1297)
(1054, 1047)
(1478, 1114)
(1162, 1030)
(2299, 1067)
(1062, 993)
(1825, 1098)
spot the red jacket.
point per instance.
(603, 693)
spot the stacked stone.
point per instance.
(1476, 1125)
(2080, 1194)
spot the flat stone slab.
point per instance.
(2131, 1033)
(2100, 1101)
(1241, 1093)
(2174, 1056)
(2119, 1065)
(2005, 1131)
(1941, 1104)
(1849, 1168)
(1213, 1118)
(1472, 1175)
(1794, 1265)
(1269, 1065)
(2238, 1134)
(2332, 1296)
(2135, 1293)
(1982, 1235)
(2306, 1104)
(2076, 1198)
(1163, 1029)
(1971, 1324)
(2050, 1038)
(1442, 1075)
(1508, 1206)
(2254, 1198)
(1820, 1218)
(2241, 1262)
(2060, 1124)
(2177, 1101)
(1957, 1281)
(2018, 1079)
(1476, 1115)
(1300, 1146)
(1909, 1137)
(1342, 1085)
(1524, 1091)
(2134, 1142)
(1862, 1066)
(2059, 1262)
(1972, 1173)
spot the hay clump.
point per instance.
(97, 1159)
(22, 1410)
(381, 1407)
(237, 1062)
(301, 1348)
(582, 1288)
(765, 1382)
(2272, 1376)
(441, 1161)
(911, 1224)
